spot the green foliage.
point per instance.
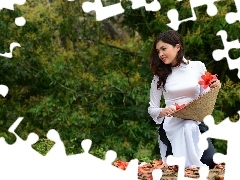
(69, 76)
(226, 105)
(88, 79)
(199, 36)
(220, 145)
(100, 153)
(43, 146)
(228, 102)
(145, 159)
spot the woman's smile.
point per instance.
(163, 59)
(167, 53)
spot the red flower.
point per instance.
(179, 107)
(121, 164)
(207, 79)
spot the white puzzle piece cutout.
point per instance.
(173, 14)
(229, 131)
(57, 165)
(12, 46)
(219, 54)
(153, 6)
(232, 17)
(19, 21)
(102, 12)
(9, 4)
(21, 157)
(3, 90)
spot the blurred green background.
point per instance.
(91, 79)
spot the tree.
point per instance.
(71, 76)
(90, 79)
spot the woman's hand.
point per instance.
(166, 111)
(215, 83)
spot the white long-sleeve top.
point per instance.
(181, 88)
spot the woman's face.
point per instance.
(167, 53)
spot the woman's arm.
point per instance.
(154, 105)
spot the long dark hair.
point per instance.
(158, 67)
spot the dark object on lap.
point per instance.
(164, 139)
(207, 157)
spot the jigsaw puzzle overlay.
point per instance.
(21, 156)
(57, 165)
(232, 156)
(224, 53)
(173, 15)
(19, 21)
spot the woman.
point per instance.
(177, 80)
